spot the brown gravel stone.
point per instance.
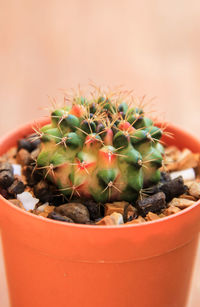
(170, 166)
(49, 209)
(43, 214)
(186, 196)
(6, 166)
(118, 207)
(194, 189)
(162, 215)
(17, 203)
(179, 160)
(107, 220)
(11, 153)
(44, 208)
(190, 182)
(23, 157)
(171, 210)
(152, 217)
(187, 159)
(139, 220)
(181, 203)
(173, 152)
(9, 156)
(6, 174)
(35, 153)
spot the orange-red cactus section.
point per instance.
(107, 157)
(126, 126)
(109, 137)
(77, 110)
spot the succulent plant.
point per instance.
(102, 148)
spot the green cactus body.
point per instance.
(100, 149)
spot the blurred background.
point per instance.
(151, 46)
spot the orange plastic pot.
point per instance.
(50, 263)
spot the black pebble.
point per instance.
(131, 218)
(41, 191)
(47, 192)
(33, 176)
(17, 187)
(35, 142)
(25, 144)
(95, 209)
(165, 177)
(152, 203)
(173, 188)
(4, 193)
(6, 179)
(152, 190)
(28, 143)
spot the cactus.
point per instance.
(101, 148)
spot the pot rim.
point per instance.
(42, 121)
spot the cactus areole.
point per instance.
(103, 149)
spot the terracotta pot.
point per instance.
(50, 263)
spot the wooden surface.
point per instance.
(152, 46)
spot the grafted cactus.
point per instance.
(101, 148)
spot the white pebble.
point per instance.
(117, 218)
(42, 207)
(17, 169)
(27, 200)
(187, 174)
